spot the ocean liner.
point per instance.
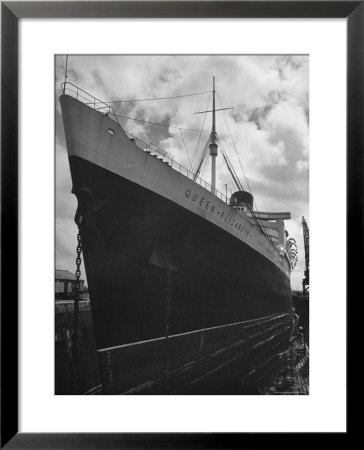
(183, 282)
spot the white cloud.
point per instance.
(302, 166)
(269, 122)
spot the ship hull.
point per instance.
(146, 257)
(179, 282)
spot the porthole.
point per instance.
(111, 131)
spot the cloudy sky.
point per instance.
(265, 134)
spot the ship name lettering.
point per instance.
(206, 204)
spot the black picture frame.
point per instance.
(11, 12)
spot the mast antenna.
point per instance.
(213, 137)
(65, 75)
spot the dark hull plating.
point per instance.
(154, 268)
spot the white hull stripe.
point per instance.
(106, 349)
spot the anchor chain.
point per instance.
(76, 310)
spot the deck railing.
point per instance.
(157, 152)
(152, 149)
(86, 98)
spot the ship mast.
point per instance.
(213, 137)
(213, 141)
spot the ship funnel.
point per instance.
(241, 198)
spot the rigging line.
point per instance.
(233, 145)
(240, 187)
(157, 98)
(184, 144)
(200, 161)
(204, 168)
(198, 164)
(258, 223)
(159, 124)
(229, 164)
(202, 127)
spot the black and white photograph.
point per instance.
(182, 224)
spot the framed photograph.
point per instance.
(163, 166)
